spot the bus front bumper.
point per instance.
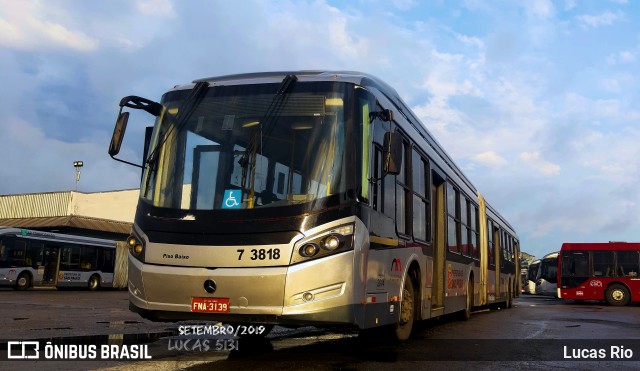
(313, 292)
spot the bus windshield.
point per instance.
(230, 154)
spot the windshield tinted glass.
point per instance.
(228, 155)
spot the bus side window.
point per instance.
(89, 258)
(18, 255)
(403, 195)
(34, 254)
(627, 263)
(602, 263)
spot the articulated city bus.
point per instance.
(547, 277)
(33, 258)
(307, 198)
(600, 271)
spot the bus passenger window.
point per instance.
(602, 263)
(627, 263)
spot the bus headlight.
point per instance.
(331, 242)
(136, 247)
(309, 250)
(324, 243)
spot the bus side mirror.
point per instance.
(118, 133)
(392, 154)
(135, 102)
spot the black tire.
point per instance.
(94, 282)
(466, 313)
(23, 282)
(407, 313)
(617, 295)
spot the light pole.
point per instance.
(78, 165)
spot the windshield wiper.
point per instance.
(267, 124)
(185, 111)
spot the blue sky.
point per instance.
(534, 99)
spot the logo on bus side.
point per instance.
(454, 278)
(396, 265)
(595, 283)
(69, 276)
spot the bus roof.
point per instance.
(612, 245)
(21, 232)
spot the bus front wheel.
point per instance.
(617, 295)
(94, 282)
(23, 282)
(407, 311)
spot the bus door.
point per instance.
(51, 263)
(439, 253)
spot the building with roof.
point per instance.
(99, 214)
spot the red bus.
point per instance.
(600, 271)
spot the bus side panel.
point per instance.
(9, 276)
(456, 286)
(386, 270)
(383, 280)
(81, 278)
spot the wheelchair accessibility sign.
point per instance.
(232, 199)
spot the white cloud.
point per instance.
(404, 4)
(570, 4)
(534, 160)
(471, 40)
(610, 85)
(346, 43)
(625, 56)
(490, 159)
(25, 26)
(540, 8)
(158, 8)
(605, 19)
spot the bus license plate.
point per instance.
(210, 305)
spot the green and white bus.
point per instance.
(33, 258)
(306, 198)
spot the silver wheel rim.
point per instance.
(22, 281)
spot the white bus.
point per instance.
(307, 198)
(532, 273)
(33, 258)
(547, 277)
